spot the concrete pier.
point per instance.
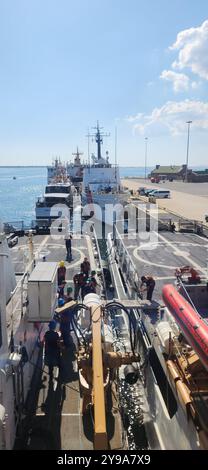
(188, 200)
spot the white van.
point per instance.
(160, 193)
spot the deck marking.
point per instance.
(187, 258)
(151, 263)
(175, 252)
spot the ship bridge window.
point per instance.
(57, 189)
(162, 381)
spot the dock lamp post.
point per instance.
(187, 152)
(145, 160)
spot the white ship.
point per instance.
(102, 190)
(57, 196)
(75, 170)
(57, 169)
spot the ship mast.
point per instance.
(77, 154)
(98, 137)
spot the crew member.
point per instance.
(85, 267)
(90, 285)
(65, 324)
(52, 348)
(172, 227)
(68, 296)
(77, 286)
(61, 273)
(68, 243)
(150, 285)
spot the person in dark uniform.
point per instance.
(90, 285)
(85, 267)
(52, 348)
(76, 286)
(65, 318)
(172, 227)
(68, 243)
(150, 285)
(61, 273)
(68, 296)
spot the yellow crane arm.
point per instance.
(100, 431)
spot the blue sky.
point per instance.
(65, 64)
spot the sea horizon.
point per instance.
(20, 186)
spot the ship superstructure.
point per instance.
(56, 170)
(57, 195)
(75, 170)
(101, 184)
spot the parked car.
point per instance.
(160, 194)
(148, 192)
(12, 240)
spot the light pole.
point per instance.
(187, 153)
(145, 164)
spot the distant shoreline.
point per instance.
(121, 166)
(23, 166)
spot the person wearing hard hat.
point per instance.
(52, 348)
(61, 273)
(68, 296)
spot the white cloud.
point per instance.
(172, 117)
(134, 118)
(180, 81)
(192, 45)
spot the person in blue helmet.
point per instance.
(61, 302)
(52, 348)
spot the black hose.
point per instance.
(76, 326)
(121, 307)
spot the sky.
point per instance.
(140, 66)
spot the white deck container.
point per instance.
(42, 292)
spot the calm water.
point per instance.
(18, 197)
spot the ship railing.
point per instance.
(129, 270)
(99, 259)
(13, 227)
(17, 305)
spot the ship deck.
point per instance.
(53, 414)
(161, 253)
(53, 249)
